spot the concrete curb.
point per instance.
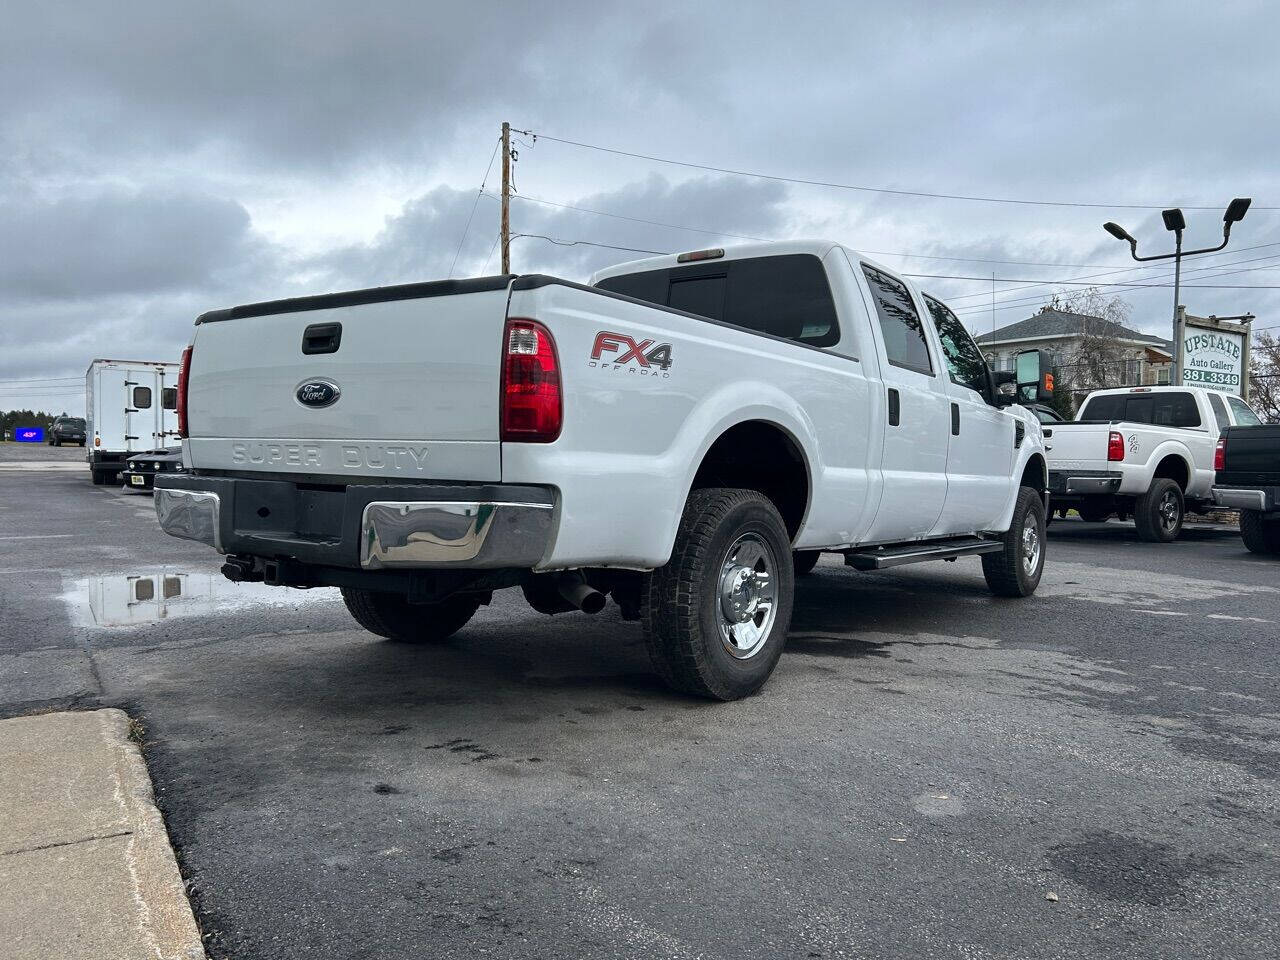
(86, 869)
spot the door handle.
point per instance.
(955, 419)
(895, 408)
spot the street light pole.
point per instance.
(1176, 223)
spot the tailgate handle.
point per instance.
(322, 338)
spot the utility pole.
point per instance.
(506, 198)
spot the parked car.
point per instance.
(668, 436)
(141, 470)
(65, 430)
(1046, 414)
(1145, 452)
(1247, 464)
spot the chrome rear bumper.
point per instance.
(362, 526)
(1240, 499)
(434, 534)
(191, 515)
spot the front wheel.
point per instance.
(716, 616)
(392, 616)
(1015, 570)
(1158, 513)
(1260, 533)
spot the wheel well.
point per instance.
(1033, 475)
(1174, 468)
(760, 456)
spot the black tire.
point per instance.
(99, 477)
(681, 607)
(394, 617)
(1008, 574)
(805, 560)
(1260, 533)
(1159, 512)
(1094, 514)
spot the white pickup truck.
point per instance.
(668, 436)
(1145, 452)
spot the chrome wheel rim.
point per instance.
(1169, 511)
(746, 596)
(1031, 546)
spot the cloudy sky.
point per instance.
(161, 159)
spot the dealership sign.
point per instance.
(29, 434)
(1214, 353)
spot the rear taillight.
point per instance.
(532, 411)
(184, 375)
(1115, 446)
(1220, 454)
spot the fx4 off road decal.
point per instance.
(617, 351)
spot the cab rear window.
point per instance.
(785, 296)
(1157, 409)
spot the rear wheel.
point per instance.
(805, 560)
(716, 616)
(1158, 513)
(1261, 534)
(394, 617)
(1015, 571)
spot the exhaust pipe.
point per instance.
(581, 594)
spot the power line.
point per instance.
(865, 189)
(1038, 297)
(1111, 273)
(589, 243)
(43, 380)
(474, 203)
(742, 236)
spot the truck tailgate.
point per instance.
(1078, 446)
(397, 382)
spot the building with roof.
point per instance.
(1090, 353)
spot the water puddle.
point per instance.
(126, 600)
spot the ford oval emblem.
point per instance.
(318, 393)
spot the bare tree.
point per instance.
(1101, 360)
(1264, 377)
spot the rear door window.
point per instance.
(1219, 409)
(1245, 416)
(142, 397)
(785, 296)
(169, 398)
(900, 324)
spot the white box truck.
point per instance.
(131, 406)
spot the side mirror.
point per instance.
(1034, 377)
(1005, 385)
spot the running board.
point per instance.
(879, 558)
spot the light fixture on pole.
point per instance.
(1175, 222)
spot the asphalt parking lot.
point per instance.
(930, 773)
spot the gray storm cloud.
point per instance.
(147, 150)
